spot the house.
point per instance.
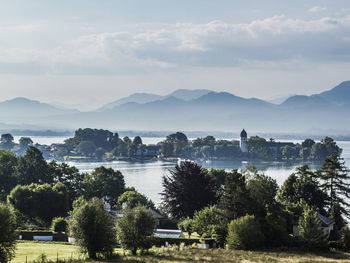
(327, 226)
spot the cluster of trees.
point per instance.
(98, 144)
(308, 150)
(40, 191)
(36, 194)
(249, 210)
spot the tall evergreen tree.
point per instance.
(187, 189)
(335, 181)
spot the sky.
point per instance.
(85, 53)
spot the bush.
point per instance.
(135, 229)
(186, 225)
(8, 234)
(211, 222)
(245, 233)
(59, 225)
(93, 229)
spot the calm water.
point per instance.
(146, 177)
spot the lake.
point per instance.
(146, 177)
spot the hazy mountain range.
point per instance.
(193, 110)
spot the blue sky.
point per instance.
(88, 52)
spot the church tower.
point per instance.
(243, 144)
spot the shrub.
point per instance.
(245, 233)
(8, 234)
(186, 225)
(59, 225)
(93, 229)
(211, 222)
(135, 229)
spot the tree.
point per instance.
(310, 228)
(59, 225)
(8, 163)
(235, 198)
(8, 235)
(25, 142)
(335, 182)
(104, 183)
(211, 222)
(70, 176)
(6, 141)
(93, 229)
(137, 141)
(187, 189)
(40, 202)
(135, 228)
(303, 186)
(132, 199)
(262, 190)
(32, 168)
(308, 143)
(245, 233)
(86, 148)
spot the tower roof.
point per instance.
(244, 133)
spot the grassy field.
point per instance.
(31, 250)
(171, 255)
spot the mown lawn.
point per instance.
(31, 250)
(174, 254)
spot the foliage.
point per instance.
(132, 198)
(8, 234)
(42, 202)
(186, 225)
(211, 222)
(70, 177)
(104, 183)
(262, 190)
(8, 162)
(335, 182)
(310, 228)
(86, 148)
(235, 199)
(303, 186)
(245, 233)
(32, 168)
(93, 229)
(187, 189)
(135, 228)
(59, 225)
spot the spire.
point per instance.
(244, 134)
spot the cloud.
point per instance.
(270, 42)
(317, 9)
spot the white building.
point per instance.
(243, 142)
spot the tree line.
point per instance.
(103, 144)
